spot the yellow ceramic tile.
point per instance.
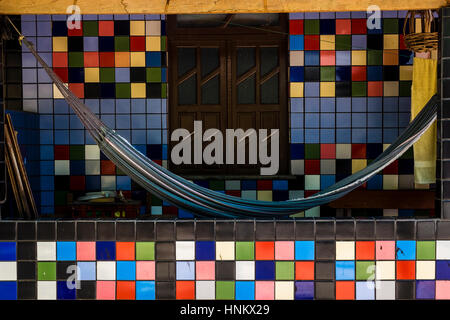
(327, 89)
(359, 58)
(327, 42)
(390, 88)
(390, 57)
(60, 44)
(406, 73)
(343, 151)
(390, 182)
(153, 43)
(296, 58)
(122, 59)
(91, 75)
(137, 59)
(56, 93)
(358, 164)
(390, 41)
(385, 146)
(296, 89)
(138, 90)
(153, 28)
(265, 195)
(137, 28)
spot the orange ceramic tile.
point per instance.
(304, 270)
(327, 151)
(91, 59)
(60, 59)
(77, 89)
(185, 290)
(345, 290)
(343, 26)
(126, 290)
(365, 250)
(374, 88)
(106, 28)
(106, 59)
(264, 250)
(327, 58)
(390, 57)
(107, 167)
(122, 59)
(406, 270)
(125, 251)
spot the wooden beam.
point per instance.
(386, 199)
(207, 6)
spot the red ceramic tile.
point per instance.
(125, 251)
(392, 168)
(365, 250)
(77, 183)
(264, 185)
(358, 151)
(312, 166)
(107, 167)
(264, 250)
(374, 88)
(106, 59)
(159, 162)
(312, 42)
(91, 59)
(60, 59)
(345, 290)
(304, 270)
(185, 290)
(62, 73)
(106, 28)
(296, 26)
(309, 193)
(327, 58)
(359, 26)
(170, 211)
(77, 89)
(327, 151)
(61, 152)
(137, 43)
(359, 73)
(343, 26)
(406, 270)
(126, 290)
(402, 45)
(234, 193)
(75, 31)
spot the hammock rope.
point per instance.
(204, 202)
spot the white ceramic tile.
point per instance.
(153, 28)
(185, 250)
(205, 290)
(248, 194)
(284, 290)
(106, 270)
(385, 290)
(92, 167)
(46, 290)
(225, 250)
(385, 270)
(62, 167)
(425, 270)
(46, 251)
(345, 250)
(298, 167)
(8, 270)
(232, 185)
(443, 250)
(92, 152)
(245, 270)
(108, 182)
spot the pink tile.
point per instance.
(205, 270)
(385, 250)
(284, 250)
(86, 251)
(145, 270)
(106, 290)
(442, 290)
(264, 290)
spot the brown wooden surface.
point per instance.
(207, 6)
(387, 199)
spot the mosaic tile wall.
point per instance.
(349, 98)
(241, 260)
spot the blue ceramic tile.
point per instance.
(442, 270)
(365, 290)
(123, 183)
(374, 73)
(327, 120)
(296, 42)
(153, 59)
(327, 105)
(65, 251)
(312, 58)
(7, 251)
(343, 136)
(245, 290)
(327, 180)
(248, 185)
(44, 28)
(280, 184)
(312, 104)
(296, 74)
(154, 121)
(343, 120)
(343, 73)
(390, 120)
(374, 135)
(205, 250)
(126, 270)
(93, 183)
(359, 120)
(304, 290)
(359, 136)
(145, 290)
(185, 270)
(106, 250)
(406, 250)
(86, 271)
(343, 104)
(304, 250)
(63, 291)
(264, 270)
(345, 270)
(62, 137)
(8, 290)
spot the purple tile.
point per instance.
(47, 57)
(304, 290)
(296, 15)
(296, 104)
(442, 269)
(121, 17)
(105, 17)
(59, 17)
(28, 28)
(44, 44)
(89, 17)
(43, 76)
(312, 15)
(152, 17)
(137, 16)
(359, 42)
(312, 89)
(29, 75)
(359, 15)
(425, 289)
(122, 74)
(343, 58)
(312, 104)
(342, 15)
(44, 28)
(28, 17)
(389, 14)
(90, 43)
(327, 15)
(43, 17)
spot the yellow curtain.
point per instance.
(424, 86)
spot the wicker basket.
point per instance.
(426, 39)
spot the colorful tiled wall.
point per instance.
(235, 260)
(349, 98)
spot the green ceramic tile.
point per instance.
(390, 25)
(163, 90)
(122, 44)
(145, 251)
(120, 172)
(375, 57)
(409, 154)
(90, 28)
(365, 270)
(359, 88)
(284, 270)
(123, 90)
(107, 75)
(163, 43)
(155, 201)
(217, 185)
(77, 152)
(225, 290)
(404, 89)
(46, 271)
(426, 250)
(153, 74)
(76, 59)
(312, 151)
(245, 250)
(327, 74)
(343, 42)
(61, 197)
(311, 26)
